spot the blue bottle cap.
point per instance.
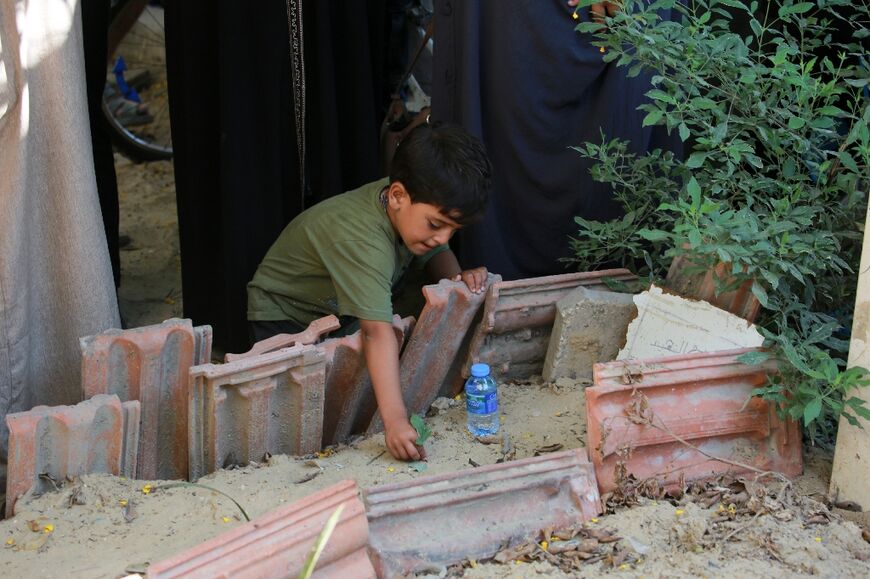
(480, 370)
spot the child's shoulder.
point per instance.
(355, 214)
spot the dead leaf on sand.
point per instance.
(548, 448)
(308, 477)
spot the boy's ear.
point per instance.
(397, 195)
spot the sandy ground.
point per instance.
(105, 526)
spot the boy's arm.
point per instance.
(382, 358)
(444, 265)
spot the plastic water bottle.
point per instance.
(481, 402)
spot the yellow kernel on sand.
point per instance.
(624, 567)
(10, 541)
(146, 489)
(122, 502)
(226, 519)
(818, 539)
(544, 545)
(391, 469)
(49, 528)
(594, 519)
(721, 507)
(472, 563)
(679, 512)
(458, 397)
(501, 418)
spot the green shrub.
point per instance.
(773, 182)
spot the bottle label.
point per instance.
(482, 403)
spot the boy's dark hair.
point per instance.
(446, 166)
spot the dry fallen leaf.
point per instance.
(549, 448)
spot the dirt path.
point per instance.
(151, 265)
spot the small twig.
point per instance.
(639, 412)
(742, 528)
(761, 473)
(383, 452)
(190, 484)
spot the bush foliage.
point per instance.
(775, 123)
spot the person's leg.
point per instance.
(95, 26)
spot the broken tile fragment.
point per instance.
(240, 411)
(435, 521)
(310, 335)
(514, 332)
(690, 416)
(589, 327)
(277, 543)
(669, 325)
(50, 443)
(701, 285)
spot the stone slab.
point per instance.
(514, 331)
(590, 327)
(668, 325)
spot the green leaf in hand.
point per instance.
(423, 431)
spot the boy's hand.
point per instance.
(475, 279)
(401, 439)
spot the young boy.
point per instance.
(345, 255)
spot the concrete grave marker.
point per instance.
(668, 325)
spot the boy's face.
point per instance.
(421, 226)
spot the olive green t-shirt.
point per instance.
(341, 257)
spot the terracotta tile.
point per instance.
(63, 441)
(203, 337)
(148, 364)
(130, 456)
(702, 285)
(350, 400)
(702, 398)
(310, 335)
(434, 521)
(431, 361)
(276, 544)
(271, 403)
(513, 335)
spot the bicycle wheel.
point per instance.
(136, 100)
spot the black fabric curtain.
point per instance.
(236, 150)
